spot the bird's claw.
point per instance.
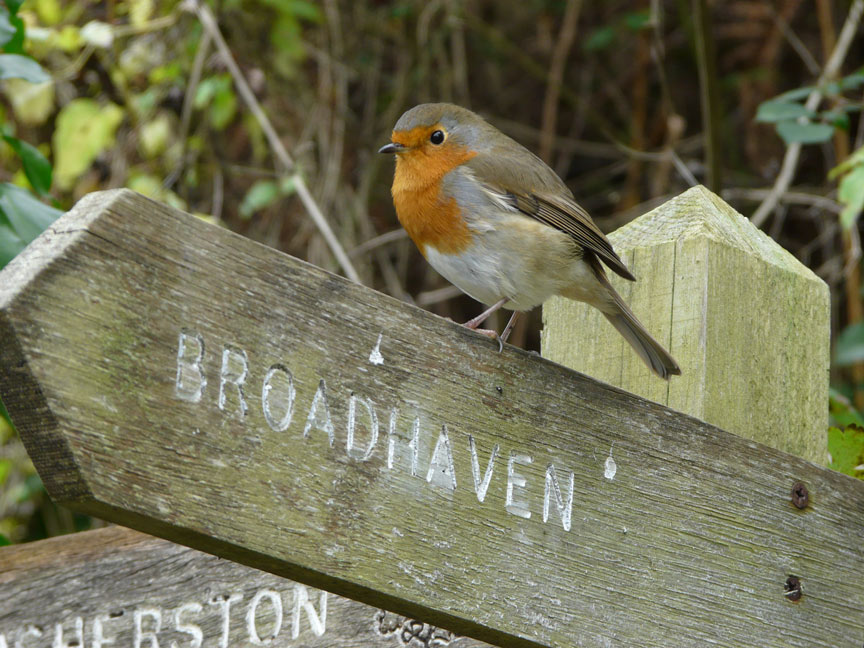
(493, 335)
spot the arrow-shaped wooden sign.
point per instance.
(179, 379)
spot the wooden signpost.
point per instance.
(181, 380)
(115, 587)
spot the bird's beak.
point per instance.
(392, 147)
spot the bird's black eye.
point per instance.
(437, 137)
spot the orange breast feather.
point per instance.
(430, 218)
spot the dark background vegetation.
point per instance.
(631, 102)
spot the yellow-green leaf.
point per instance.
(84, 129)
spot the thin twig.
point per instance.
(793, 152)
(794, 197)
(205, 16)
(379, 241)
(556, 74)
(708, 91)
(188, 103)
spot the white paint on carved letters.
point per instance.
(278, 390)
(317, 620)
(77, 640)
(235, 368)
(375, 356)
(225, 602)
(441, 470)
(413, 444)
(24, 633)
(99, 635)
(140, 635)
(188, 628)
(251, 621)
(318, 409)
(610, 467)
(565, 509)
(514, 481)
(352, 423)
(481, 486)
(190, 381)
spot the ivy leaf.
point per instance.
(792, 131)
(16, 66)
(846, 448)
(260, 195)
(7, 29)
(36, 167)
(774, 111)
(22, 219)
(83, 130)
(850, 345)
(599, 39)
(851, 195)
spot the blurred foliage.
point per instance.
(133, 93)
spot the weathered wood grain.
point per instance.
(119, 587)
(749, 324)
(679, 534)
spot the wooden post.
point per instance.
(117, 587)
(169, 375)
(748, 323)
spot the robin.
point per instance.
(494, 220)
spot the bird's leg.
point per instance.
(509, 328)
(477, 321)
(482, 317)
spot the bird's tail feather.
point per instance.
(650, 350)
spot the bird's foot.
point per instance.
(490, 334)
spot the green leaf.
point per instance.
(223, 108)
(36, 167)
(836, 118)
(851, 195)
(14, 5)
(792, 131)
(5, 469)
(22, 219)
(637, 20)
(855, 159)
(852, 81)
(4, 541)
(842, 411)
(7, 29)
(849, 348)
(260, 195)
(83, 130)
(774, 111)
(17, 66)
(599, 39)
(846, 448)
(794, 95)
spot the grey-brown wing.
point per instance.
(535, 190)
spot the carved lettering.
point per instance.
(352, 423)
(190, 382)
(139, 636)
(318, 409)
(235, 367)
(413, 445)
(77, 640)
(481, 486)
(278, 390)
(514, 481)
(441, 470)
(317, 620)
(251, 616)
(188, 628)
(224, 602)
(565, 509)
